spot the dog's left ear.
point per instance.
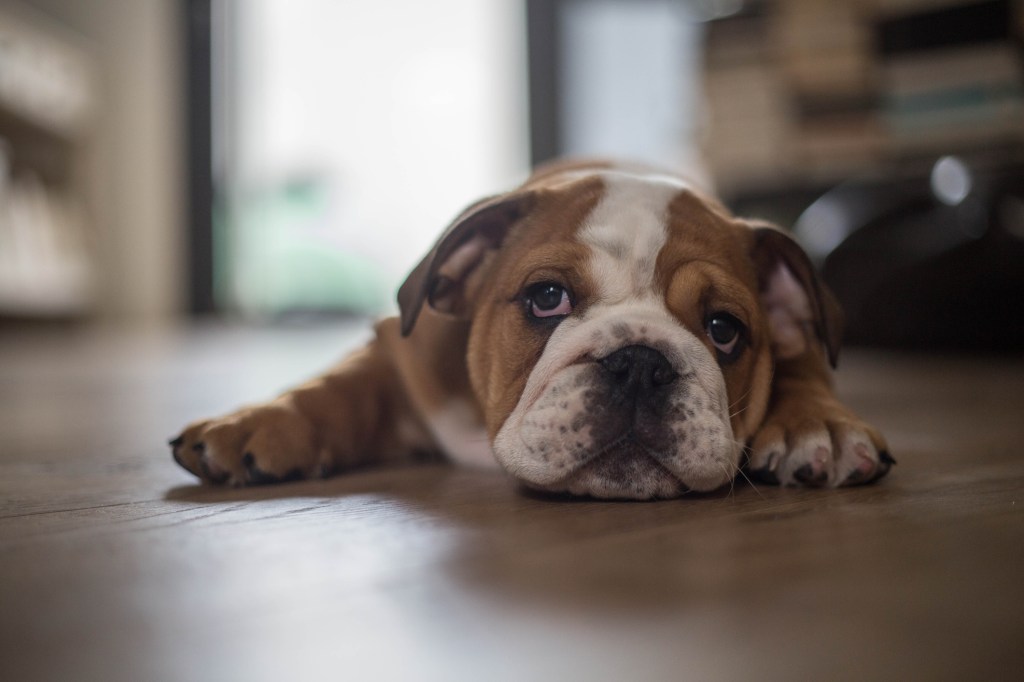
(796, 301)
(442, 278)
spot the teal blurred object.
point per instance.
(281, 250)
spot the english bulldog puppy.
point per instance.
(601, 330)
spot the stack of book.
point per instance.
(826, 61)
(952, 76)
(748, 127)
(47, 266)
(811, 92)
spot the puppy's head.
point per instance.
(624, 328)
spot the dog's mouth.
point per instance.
(624, 469)
(632, 467)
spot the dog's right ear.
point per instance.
(441, 277)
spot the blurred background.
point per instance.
(162, 160)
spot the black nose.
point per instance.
(639, 369)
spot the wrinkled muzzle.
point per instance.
(628, 404)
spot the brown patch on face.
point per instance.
(540, 249)
(705, 268)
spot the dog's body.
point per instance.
(601, 330)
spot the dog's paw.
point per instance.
(818, 445)
(270, 443)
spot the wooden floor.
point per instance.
(115, 566)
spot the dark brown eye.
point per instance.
(725, 332)
(548, 300)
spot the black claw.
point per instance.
(207, 475)
(765, 476)
(293, 475)
(807, 476)
(886, 458)
(257, 476)
(181, 462)
(856, 476)
(253, 473)
(176, 442)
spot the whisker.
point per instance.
(732, 480)
(744, 474)
(752, 485)
(771, 381)
(734, 403)
(742, 397)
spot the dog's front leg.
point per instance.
(811, 438)
(808, 437)
(355, 414)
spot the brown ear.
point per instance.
(795, 299)
(440, 278)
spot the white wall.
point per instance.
(630, 72)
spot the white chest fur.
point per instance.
(458, 431)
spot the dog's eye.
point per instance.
(548, 300)
(725, 331)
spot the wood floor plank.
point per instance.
(115, 566)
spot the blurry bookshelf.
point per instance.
(890, 136)
(804, 94)
(47, 265)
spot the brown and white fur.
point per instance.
(686, 343)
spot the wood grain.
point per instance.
(114, 566)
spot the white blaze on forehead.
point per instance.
(626, 231)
